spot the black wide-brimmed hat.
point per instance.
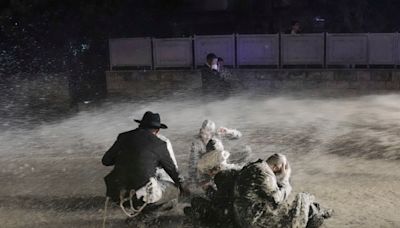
(151, 120)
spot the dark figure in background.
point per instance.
(135, 156)
(227, 75)
(295, 28)
(212, 82)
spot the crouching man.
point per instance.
(261, 192)
(136, 155)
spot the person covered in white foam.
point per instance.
(213, 161)
(208, 131)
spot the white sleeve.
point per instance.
(230, 133)
(170, 149)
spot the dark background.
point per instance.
(52, 36)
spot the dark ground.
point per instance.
(343, 150)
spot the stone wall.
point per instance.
(40, 95)
(147, 82)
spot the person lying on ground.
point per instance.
(261, 192)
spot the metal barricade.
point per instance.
(262, 49)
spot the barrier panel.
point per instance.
(223, 46)
(382, 48)
(130, 52)
(302, 49)
(173, 52)
(346, 49)
(257, 49)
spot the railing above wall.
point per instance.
(257, 50)
(173, 52)
(223, 46)
(261, 50)
(304, 49)
(127, 52)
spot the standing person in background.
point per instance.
(212, 82)
(226, 74)
(295, 28)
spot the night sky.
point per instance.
(71, 36)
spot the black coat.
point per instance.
(135, 156)
(212, 82)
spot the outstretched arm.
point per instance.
(229, 133)
(112, 153)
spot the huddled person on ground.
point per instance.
(256, 196)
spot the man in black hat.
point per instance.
(136, 155)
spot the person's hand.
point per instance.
(184, 191)
(214, 171)
(222, 130)
(286, 170)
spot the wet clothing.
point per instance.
(261, 201)
(216, 207)
(135, 156)
(161, 174)
(212, 82)
(198, 149)
(234, 82)
(214, 160)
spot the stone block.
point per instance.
(328, 75)
(314, 76)
(345, 75)
(152, 77)
(378, 85)
(264, 76)
(314, 85)
(287, 84)
(354, 84)
(383, 75)
(293, 75)
(342, 85)
(393, 85)
(396, 76)
(363, 85)
(363, 75)
(178, 77)
(330, 84)
(276, 84)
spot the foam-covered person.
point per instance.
(261, 192)
(208, 131)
